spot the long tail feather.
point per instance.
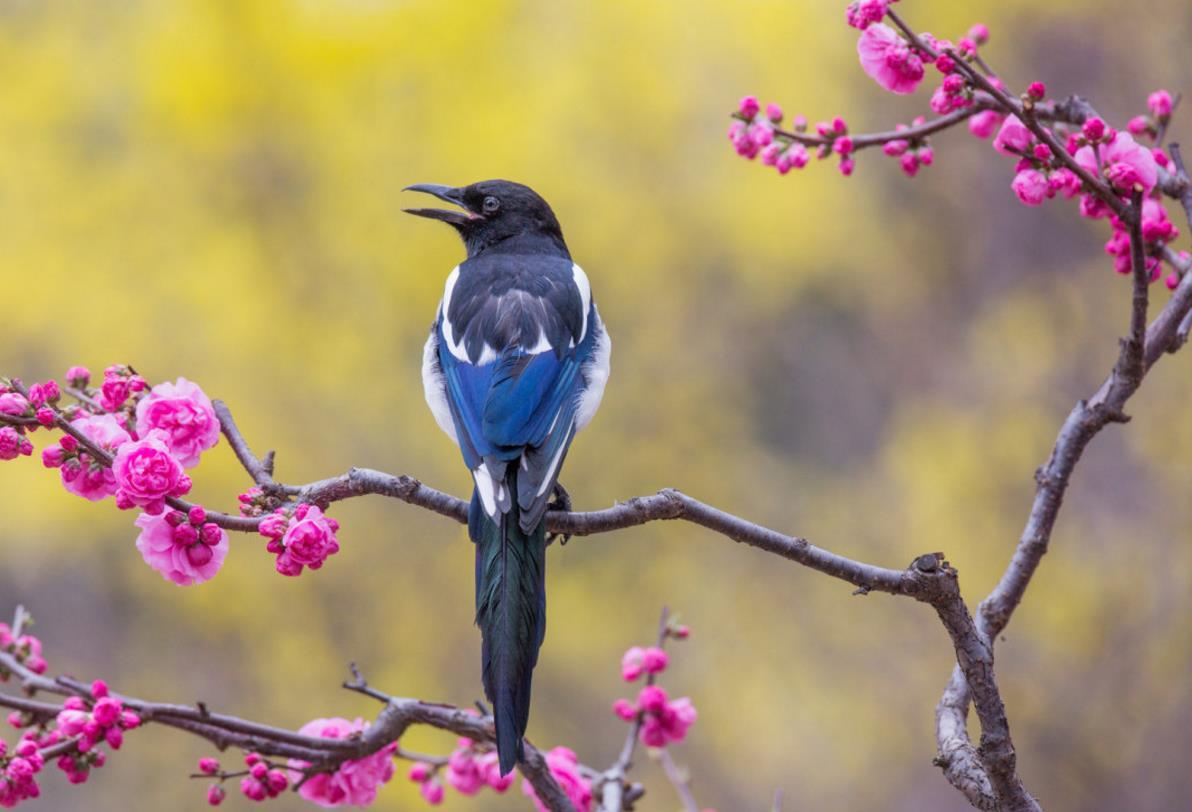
(511, 613)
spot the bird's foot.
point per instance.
(560, 502)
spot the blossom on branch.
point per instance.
(185, 414)
(889, 59)
(564, 766)
(301, 536)
(353, 782)
(184, 548)
(147, 473)
(81, 473)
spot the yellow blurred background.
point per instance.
(210, 188)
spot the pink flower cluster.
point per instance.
(1160, 104)
(104, 721)
(911, 154)
(471, 768)
(81, 473)
(25, 649)
(262, 782)
(664, 720)
(184, 547)
(865, 13)
(300, 537)
(18, 771)
(1157, 231)
(637, 661)
(429, 785)
(174, 424)
(564, 766)
(119, 383)
(354, 782)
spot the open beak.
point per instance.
(451, 195)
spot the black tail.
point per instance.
(511, 613)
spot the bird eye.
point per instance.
(491, 204)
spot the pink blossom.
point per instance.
(864, 13)
(979, 33)
(1123, 162)
(749, 106)
(463, 773)
(564, 766)
(985, 123)
(1139, 125)
(1031, 186)
(185, 413)
(82, 475)
(11, 442)
(1013, 137)
(13, 403)
(654, 660)
(308, 540)
(1160, 103)
(651, 699)
(887, 58)
(353, 782)
(774, 112)
(146, 473)
(78, 376)
(625, 709)
(432, 792)
(1064, 180)
(1156, 227)
(185, 559)
(215, 795)
(633, 664)
(1036, 90)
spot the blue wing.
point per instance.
(519, 409)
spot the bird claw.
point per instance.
(560, 502)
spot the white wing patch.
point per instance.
(434, 387)
(585, 297)
(487, 489)
(448, 333)
(595, 373)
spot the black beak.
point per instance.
(451, 195)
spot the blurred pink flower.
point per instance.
(184, 559)
(1031, 186)
(1123, 162)
(1013, 138)
(564, 766)
(1160, 103)
(887, 58)
(985, 123)
(13, 403)
(146, 473)
(633, 663)
(354, 782)
(185, 413)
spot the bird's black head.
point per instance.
(497, 215)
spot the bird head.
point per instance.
(493, 212)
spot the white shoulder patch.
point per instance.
(595, 372)
(448, 333)
(434, 387)
(585, 296)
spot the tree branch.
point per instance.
(323, 755)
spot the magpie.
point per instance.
(515, 365)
